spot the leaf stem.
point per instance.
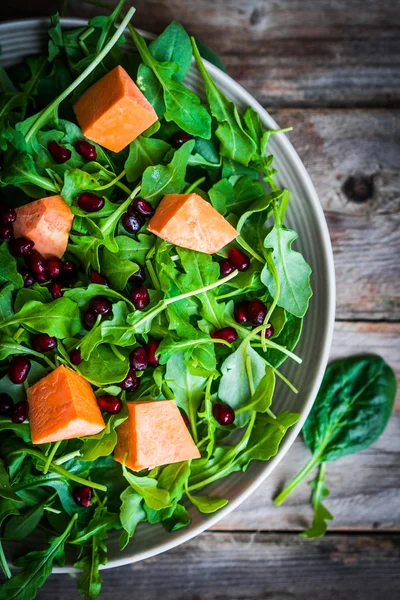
(313, 462)
(44, 114)
(4, 563)
(194, 185)
(250, 250)
(52, 454)
(112, 182)
(66, 457)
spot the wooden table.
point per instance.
(331, 69)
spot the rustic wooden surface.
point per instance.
(331, 69)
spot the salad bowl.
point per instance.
(19, 39)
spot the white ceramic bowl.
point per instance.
(19, 39)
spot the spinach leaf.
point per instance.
(104, 367)
(350, 412)
(144, 152)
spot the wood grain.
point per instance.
(244, 566)
(336, 146)
(325, 53)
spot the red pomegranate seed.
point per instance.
(7, 215)
(90, 202)
(269, 332)
(142, 207)
(6, 404)
(28, 277)
(225, 267)
(83, 495)
(139, 277)
(59, 153)
(100, 305)
(257, 311)
(54, 267)
(151, 349)
(43, 277)
(179, 138)
(36, 262)
(131, 222)
(223, 413)
(95, 277)
(138, 359)
(131, 382)
(75, 357)
(229, 334)
(239, 259)
(89, 319)
(19, 368)
(240, 312)
(86, 150)
(20, 412)
(185, 417)
(55, 289)
(6, 232)
(20, 246)
(42, 342)
(140, 298)
(69, 269)
(110, 404)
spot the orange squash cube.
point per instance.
(63, 406)
(113, 111)
(189, 221)
(47, 222)
(153, 435)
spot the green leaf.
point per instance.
(287, 337)
(235, 142)
(6, 307)
(173, 478)
(116, 269)
(173, 45)
(134, 249)
(8, 268)
(188, 389)
(6, 490)
(148, 489)
(144, 152)
(209, 54)
(99, 525)
(104, 367)
(178, 519)
(131, 514)
(293, 271)
(82, 296)
(103, 443)
(321, 514)
(19, 527)
(90, 581)
(60, 318)
(166, 179)
(261, 400)
(207, 504)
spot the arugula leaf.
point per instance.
(6, 490)
(321, 513)
(104, 367)
(90, 581)
(144, 152)
(8, 268)
(116, 269)
(131, 514)
(235, 142)
(19, 527)
(60, 318)
(147, 487)
(103, 443)
(6, 307)
(134, 249)
(207, 504)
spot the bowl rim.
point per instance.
(326, 255)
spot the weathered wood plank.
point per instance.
(243, 566)
(341, 53)
(353, 158)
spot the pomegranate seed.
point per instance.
(151, 349)
(131, 222)
(55, 290)
(6, 404)
(110, 404)
(240, 312)
(42, 342)
(54, 267)
(225, 267)
(138, 359)
(43, 277)
(95, 277)
(140, 297)
(36, 262)
(131, 382)
(28, 277)
(269, 332)
(20, 246)
(69, 269)
(83, 495)
(75, 357)
(6, 232)
(100, 305)
(223, 413)
(139, 277)
(7, 215)
(229, 334)
(179, 138)
(86, 150)
(59, 153)
(142, 207)
(89, 319)
(90, 202)
(257, 311)
(19, 368)
(239, 259)
(185, 417)
(20, 412)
